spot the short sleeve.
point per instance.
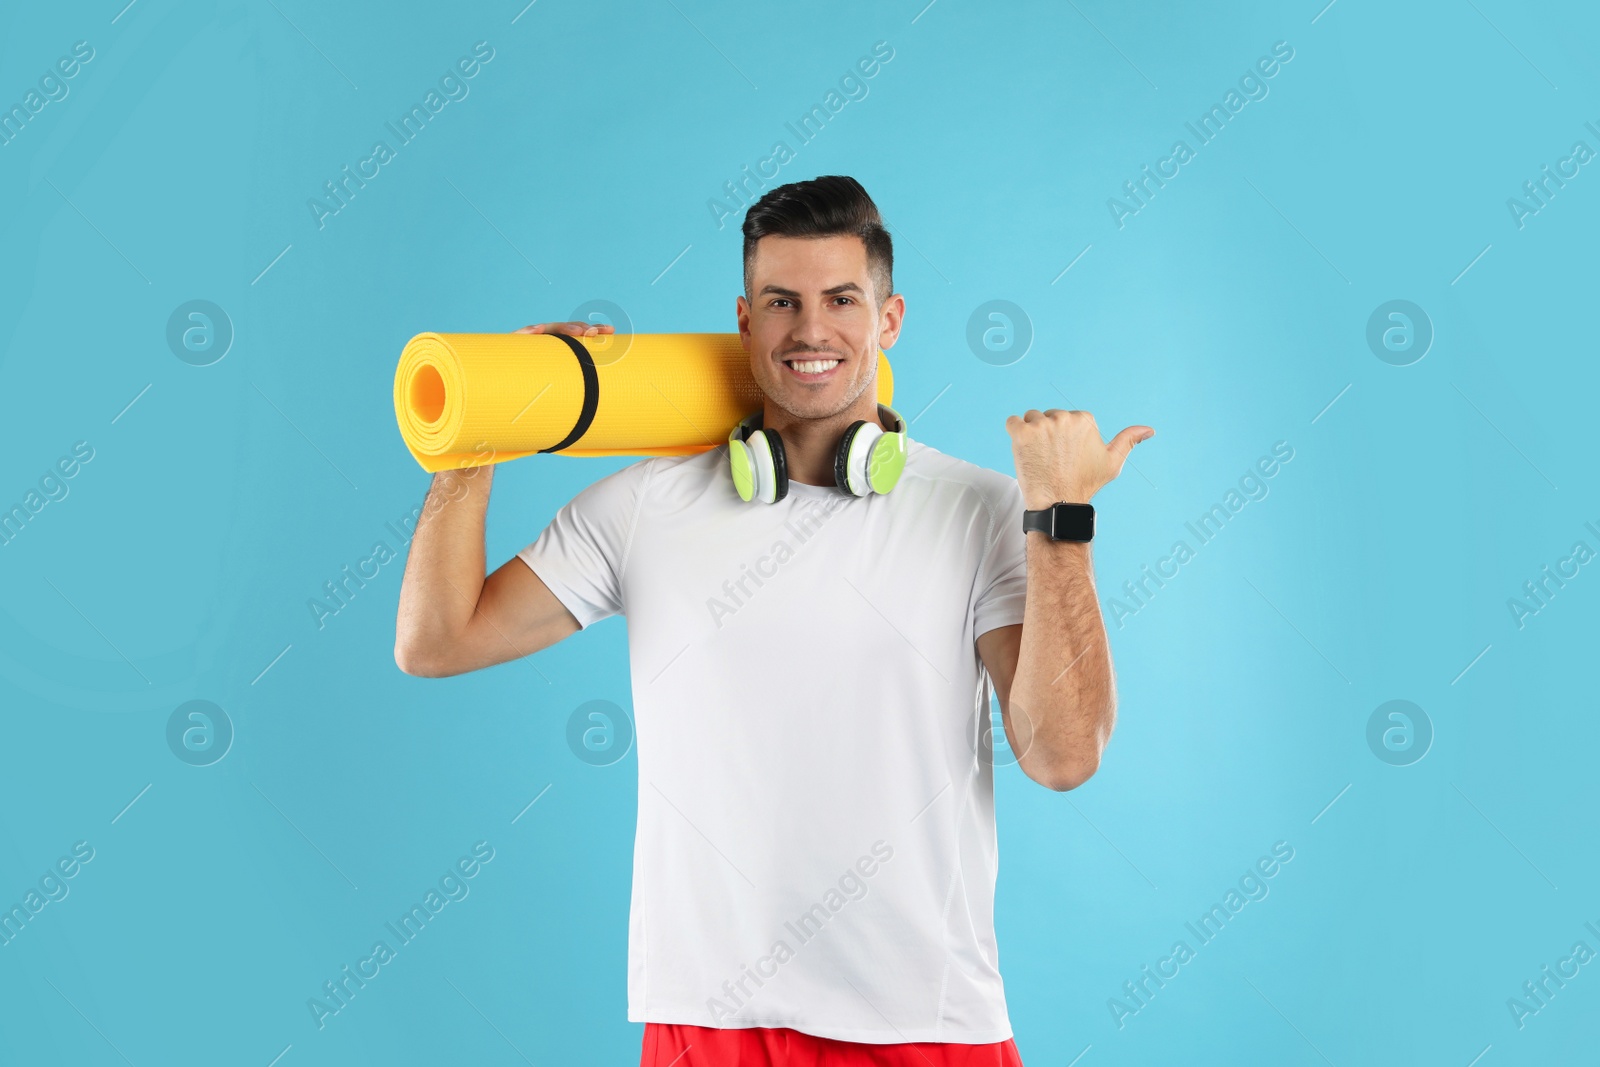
(582, 553)
(1002, 582)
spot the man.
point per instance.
(815, 858)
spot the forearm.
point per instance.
(445, 568)
(1063, 697)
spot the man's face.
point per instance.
(811, 324)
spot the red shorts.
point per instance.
(673, 1045)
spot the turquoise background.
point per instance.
(1230, 313)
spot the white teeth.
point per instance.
(814, 366)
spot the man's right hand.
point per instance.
(576, 329)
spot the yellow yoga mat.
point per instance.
(471, 399)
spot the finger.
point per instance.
(1032, 415)
(1078, 415)
(1123, 443)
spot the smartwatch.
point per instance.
(1062, 521)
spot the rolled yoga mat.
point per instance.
(472, 399)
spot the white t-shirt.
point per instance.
(815, 845)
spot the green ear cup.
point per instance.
(888, 459)
(744, 478)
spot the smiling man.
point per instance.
(814, 865)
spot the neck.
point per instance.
(809, 445)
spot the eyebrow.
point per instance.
(847, 287)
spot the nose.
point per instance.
(811, 331)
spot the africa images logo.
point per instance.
(809, 924)
(737, 592)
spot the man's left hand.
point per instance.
(1060, 457)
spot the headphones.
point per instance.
(869, 458)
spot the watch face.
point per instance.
(1072, 522)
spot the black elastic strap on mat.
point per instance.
(591, 393)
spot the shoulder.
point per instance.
(654, 475)
(994, 491)
(654, 468)
(692, 472)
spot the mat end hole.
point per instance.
(427, 394)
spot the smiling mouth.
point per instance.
(812, 365)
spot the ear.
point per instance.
(890, 318)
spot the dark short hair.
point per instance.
(833, 205)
